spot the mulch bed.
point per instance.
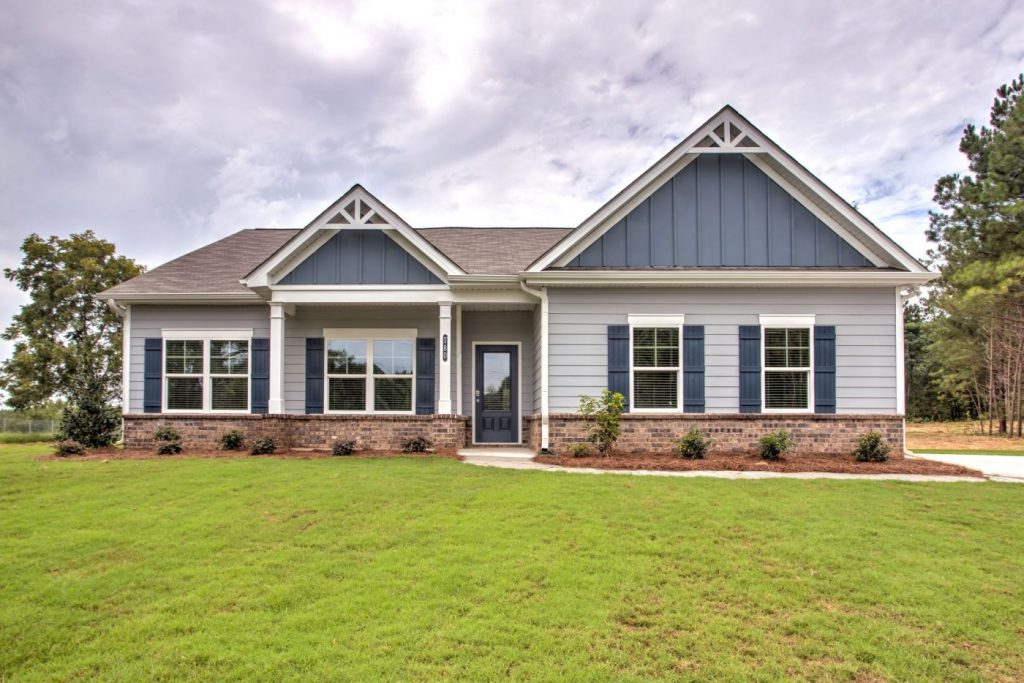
(104, 454)
(751, 463)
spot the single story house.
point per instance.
(725, 288)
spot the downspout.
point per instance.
(542, 294)
(902, 297)
(125, 313)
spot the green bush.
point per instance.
(872, 448)
(168, 441)
(343, 448)
(169, 448)
(232, 440)
(693, 446)
(579, 450)
(263, 445)
(416, 444)
(604, 415)
(89, 416)
(775, 444)
(67, 447)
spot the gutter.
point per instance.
(727, 278)
(542, 294)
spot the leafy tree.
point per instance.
(979, 236)
(64, 337)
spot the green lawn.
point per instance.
(425, 569)
(969, 451)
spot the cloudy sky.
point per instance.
(164, 126)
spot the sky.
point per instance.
(165, 126)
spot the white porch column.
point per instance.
(276, 402)
(444, 371)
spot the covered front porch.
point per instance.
(477, 356)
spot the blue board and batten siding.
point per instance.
(719, 210)
(865, 338)
(360, 257)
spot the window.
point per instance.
(206, 374)
(656, 368)
(184, 371)
(353, 387)
(787, 368)
(229, 374)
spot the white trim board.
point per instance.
(519, 391)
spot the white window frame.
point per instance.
(369, 336)
(787, 322)
(205, 336)
(638, 321)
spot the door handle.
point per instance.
(477, 395)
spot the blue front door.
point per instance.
(496, 394)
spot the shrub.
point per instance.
(872, 448)
(693, 446)
(416, 444)
(775, 444)
(168, 441)
(169, 448)
(89, 418)
(66, 447)
(343, 447)
(604, 414)
(579, 450)
(263, 445)
(232, 440)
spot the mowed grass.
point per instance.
(426, 569)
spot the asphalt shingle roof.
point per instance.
(493, 251)
(218, 267)
(213, 269)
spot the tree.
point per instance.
(64, 334)
(979, 236)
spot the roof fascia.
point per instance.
(728, 278)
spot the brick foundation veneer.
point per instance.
(731, 432)
(370, 432)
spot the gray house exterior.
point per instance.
(726, 288)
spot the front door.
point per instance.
(496, 394)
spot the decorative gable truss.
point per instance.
(745, 202)
(356, 241)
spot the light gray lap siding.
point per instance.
(150, 321)
(865, 321)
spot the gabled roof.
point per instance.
(493, 251)
(356, 209)
(728, 132)
(213, 270)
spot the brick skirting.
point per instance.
(370, 432)
(732, 432)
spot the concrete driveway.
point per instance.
(998, 467)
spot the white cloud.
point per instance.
(166, 126)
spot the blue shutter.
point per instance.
(824, 369)
(259, 380)
(425, 362)
(152, 399)
(314, 375)
(750, 368)
(693, 368)
(618, 360)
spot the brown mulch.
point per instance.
(104, 454)
(802, 462)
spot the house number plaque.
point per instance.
(444, 347)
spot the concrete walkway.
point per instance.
(522, 459)
(997, 467)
